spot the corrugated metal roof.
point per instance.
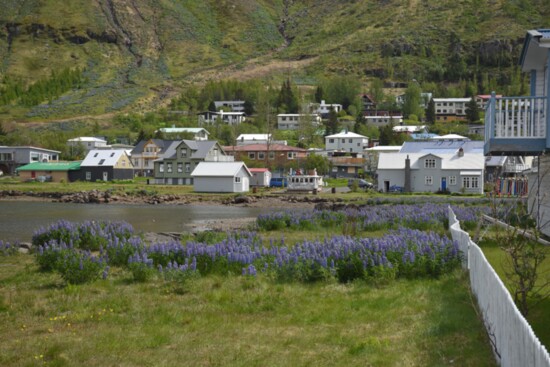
(219, 169)
(102, 157)
(441, 145)
(50, 166)
(448, 161)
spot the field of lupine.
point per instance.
(83, 252)
(342, 299)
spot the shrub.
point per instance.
(78, 267)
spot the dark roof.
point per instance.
(163, 144)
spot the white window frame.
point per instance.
(452, 180)
(429, 163)
(237, 179)
(187, 167)
(429, 180)
(169, 167)
(161, 167)
(252, 155)
(180, 167)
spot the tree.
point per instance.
(430, 112)
(287, 100)
(412, 103)
(319, 94)
(332, 126)
(376, 90)
(320, 163)
(141, 136)
(472, 111)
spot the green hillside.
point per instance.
(138, 54)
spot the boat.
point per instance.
(299, 182)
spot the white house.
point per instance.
(323, 108)
(221, 177)
(383, 120)
(87, 142)
(456, 166)
(291, 121)
(347, 141)
(234, 106)
(228, 118)
(199, 133)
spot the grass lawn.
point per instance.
(539, 313)
(235, 321)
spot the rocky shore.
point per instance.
(143, 197)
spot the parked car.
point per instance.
(362, 184)
(278, 182)
(395, 188)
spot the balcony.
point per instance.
(515, 126)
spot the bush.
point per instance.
(80, 267)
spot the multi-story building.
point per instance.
(291, 121)
(450, 109)
(347, 141)
(182, 157)
(13, 157)
(228, 118)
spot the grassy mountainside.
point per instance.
(137, 54)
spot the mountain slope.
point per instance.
(139, 53)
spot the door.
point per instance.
(105, 176)
(386, 186)
(443, 183)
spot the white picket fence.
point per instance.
(513, 341)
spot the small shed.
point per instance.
(49, 171)
(221, 177)
(260, 177)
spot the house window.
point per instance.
(237, 179)
(184, 153)
(101, 162)
(95, 155)
(261, 155)
(136, 162)
(88, 176)
(112, 154)
(169, 167)
(428, 180)
(350, 141)
(331, 140)
(187, 167)
(343, 141)
(429, 163)
(271, 155)
(452, 180)
(161, 167)
(470, 182)
(180, 167)
(291, 155)
(251, 155)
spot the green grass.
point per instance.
(539, 313)
(235, 321)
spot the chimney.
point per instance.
(407, 187)
(461, 152)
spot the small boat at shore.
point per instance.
(298, 182)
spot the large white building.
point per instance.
(347, 141)
(454, 166)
